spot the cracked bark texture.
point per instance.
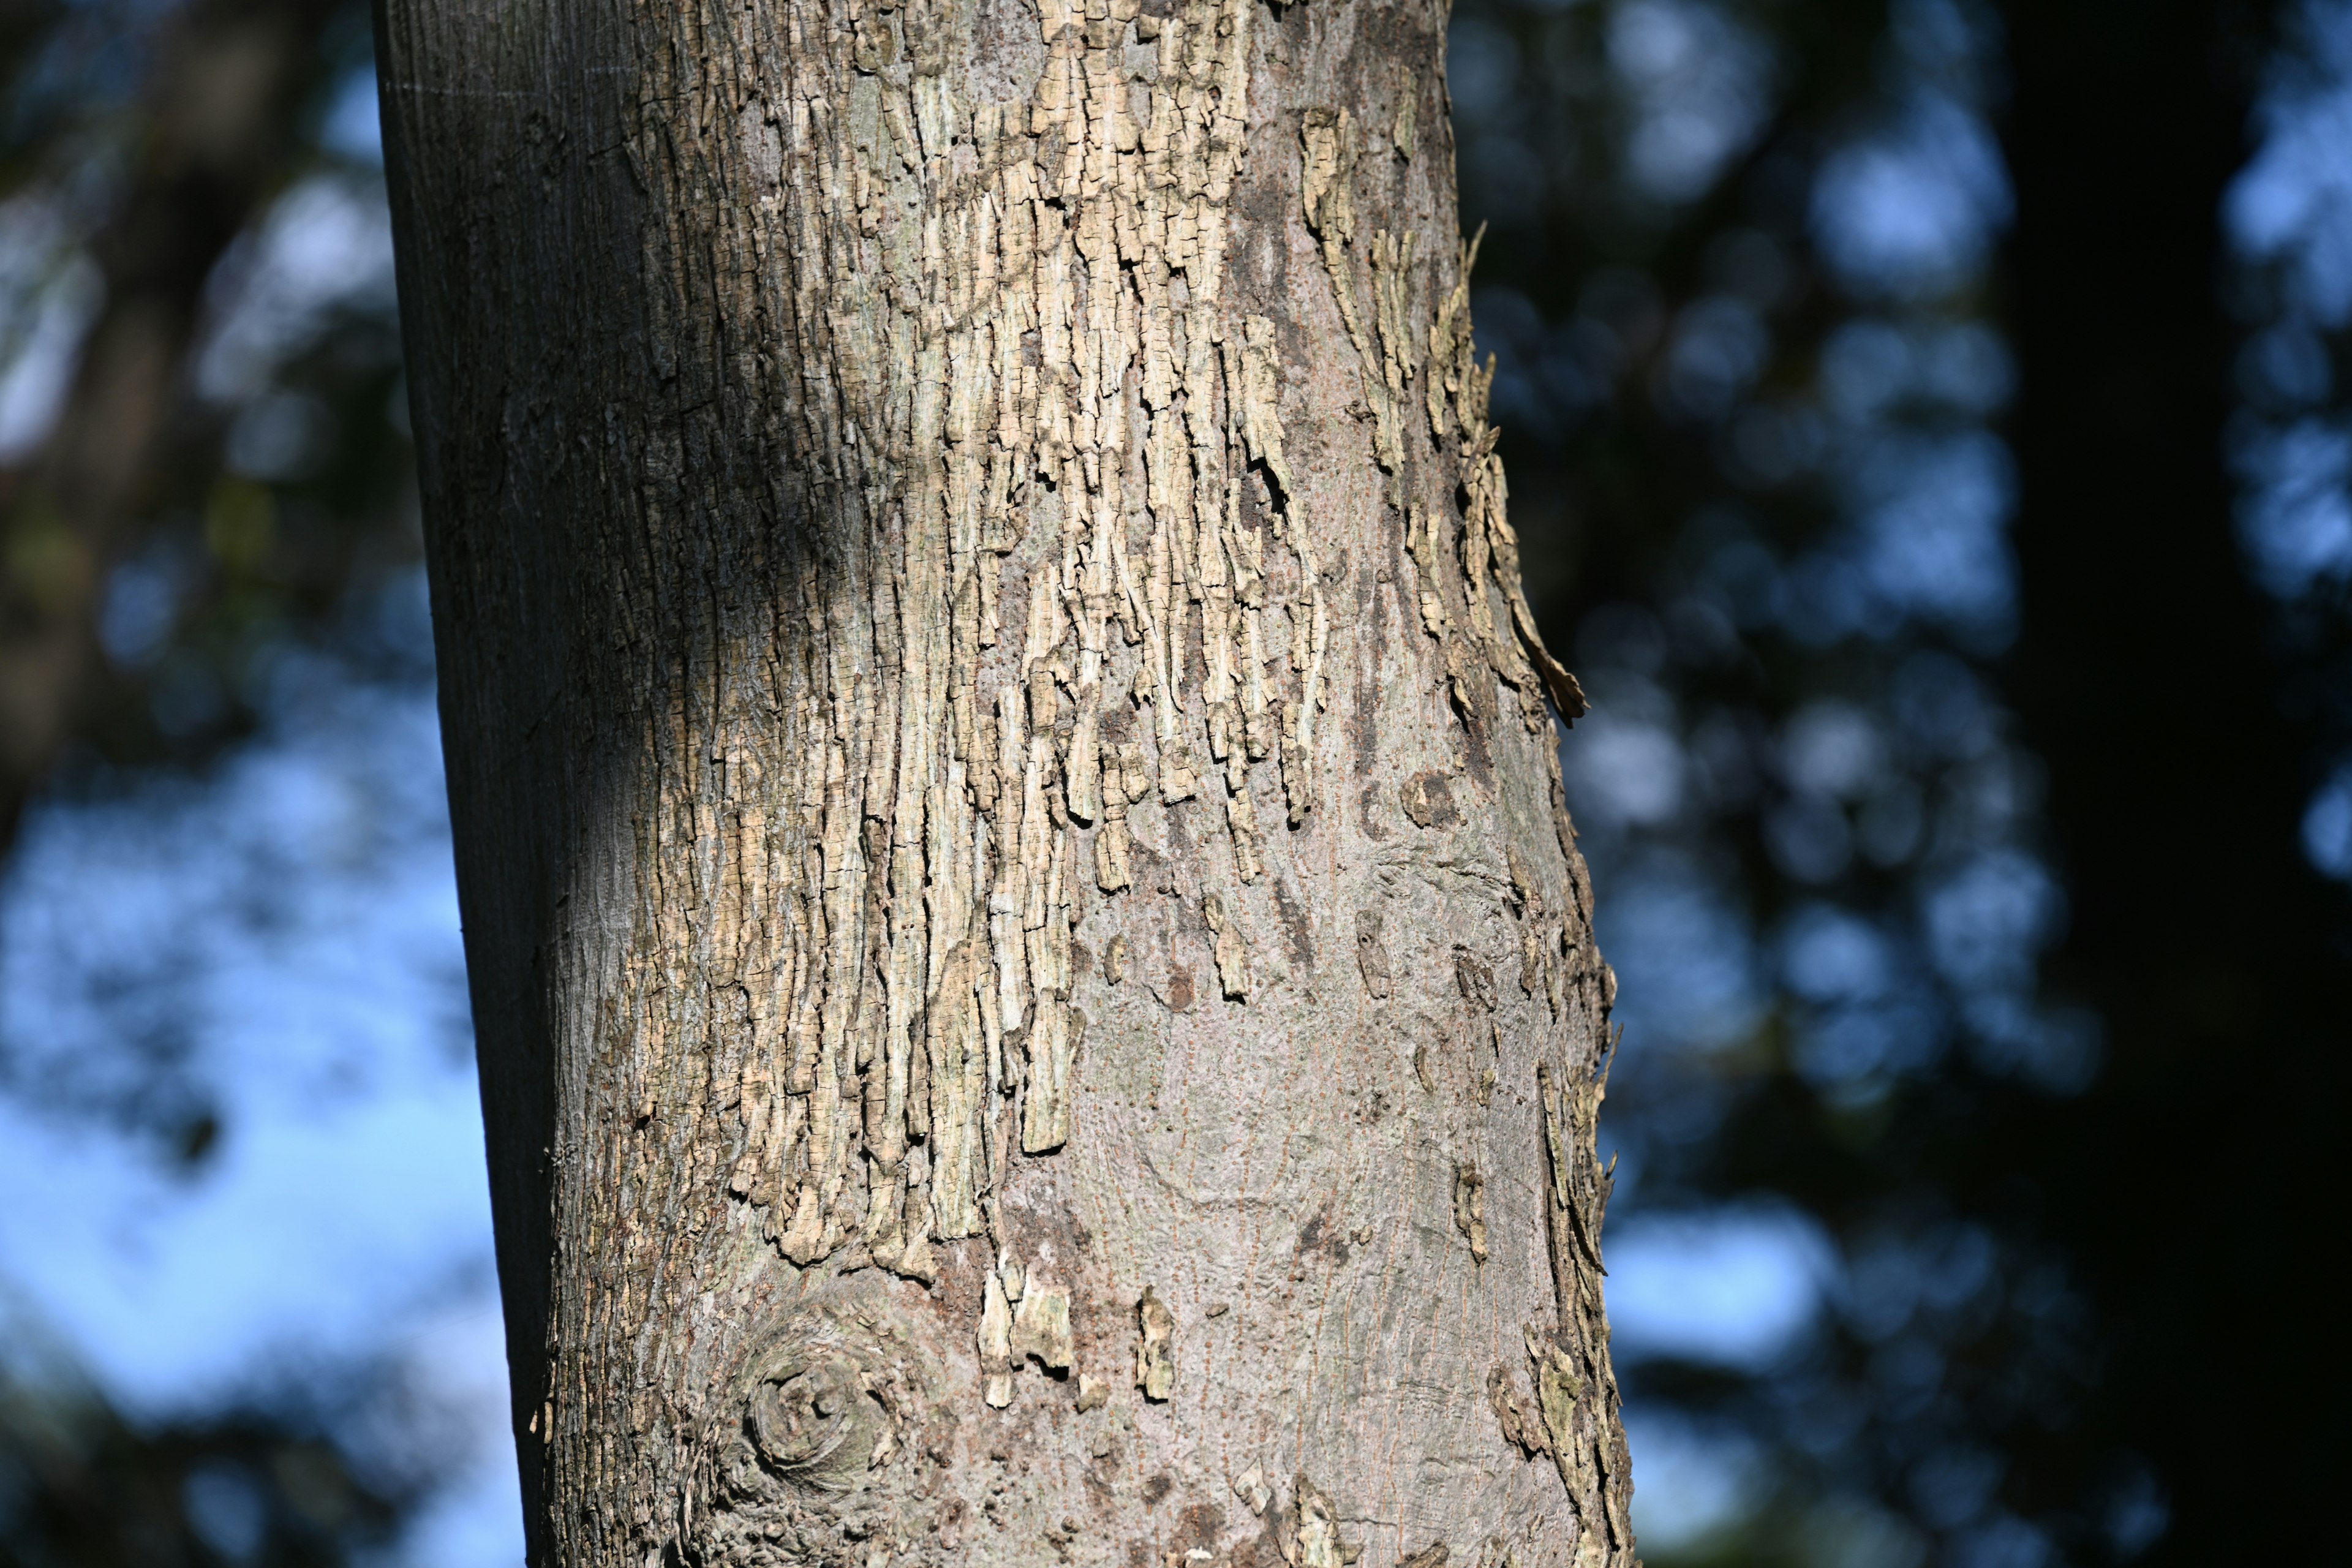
(1034, 986)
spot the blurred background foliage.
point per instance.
(263, 1478)
(1925, 427)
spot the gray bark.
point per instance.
(1034, 987)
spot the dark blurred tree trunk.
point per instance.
(2192, 1184)
(1007, 807)
(220, 113)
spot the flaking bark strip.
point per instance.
(1052, 1046)
(1521, 1421)
(1312, 1537)
(1570, 1117)
(1231, 951)
(1406, 142)
(1455, 393)
(1474, 978)
(959, 1095)
(1155, 1347)
(1328, 142)
(1428, 800)
(1470, 1207)
(1041, 1326)
(1558, 1388)
(996, 1344)
(1540, 935)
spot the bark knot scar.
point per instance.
(826, 1395)
(824, 1437)
(813, 1422)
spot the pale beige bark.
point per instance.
(1035, 990)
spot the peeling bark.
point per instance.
(921, 497)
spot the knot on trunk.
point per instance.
(819, 1422)
(824, 1440)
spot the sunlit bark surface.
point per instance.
(1035, 990)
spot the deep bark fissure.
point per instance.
(983, 1052)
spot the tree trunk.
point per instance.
(1034, 986)
(2129, 120)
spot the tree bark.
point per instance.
(1034, 986)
